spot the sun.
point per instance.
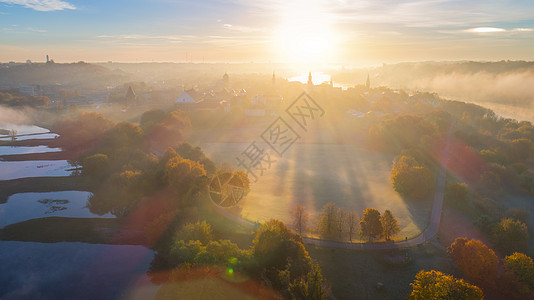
(305, 34)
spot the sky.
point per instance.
(347, 32)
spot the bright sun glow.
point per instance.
(305, 35)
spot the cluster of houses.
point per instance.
(222, 97)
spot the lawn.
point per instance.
(356, 274)
(315, 174)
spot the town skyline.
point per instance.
(358, 33)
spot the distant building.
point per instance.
(226, 80)
(310, 83)
(368, 82)
(188, 100)
(130, 99)
(266, 103)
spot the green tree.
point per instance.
(511, 235)
(151, 118)
(217, 252)
(410, 179)
(370, 225)
(477, 262)
(390, 224)
(456, 192)
(274, 244)
(186, 177)
(96, 166)
(436, 285)
(187, 151)
(522, 266)
(283, 262)
(311, 287)
(199, 231)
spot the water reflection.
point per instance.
(74, 271)
(27, 206)
(23, 169)
(24, 129)
(40, 136)
(9, 150)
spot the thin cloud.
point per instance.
(42, 5)
(497, 30)
(485, 30)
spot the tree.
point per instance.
(275, 248)
(284, 263)
(390, 224)
(340, 221)
(185, 176)
(436, 285)
(96, 166)
(370, 225)
(511, 235)
(352, 222)
(410, 179)
(328, 221)
(401, 132)
(199, 231)
(476, 261)
(456, 192)
(151, 118)
(522, 266)
(299, 215)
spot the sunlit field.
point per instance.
(315, 174)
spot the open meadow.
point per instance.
(315, 174)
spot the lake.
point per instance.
(64, 270)
(35, 168)
(8, 150)
(27, 206)
(74, 271)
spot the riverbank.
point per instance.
(41, 185)
(112, 231)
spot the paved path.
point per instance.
(430, 232)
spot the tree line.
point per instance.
(509, 278)
(338, 224)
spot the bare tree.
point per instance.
(327, 224)
(300, 218)
(340, 221)
(352, 222)
(390, 224)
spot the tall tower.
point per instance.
(310, 82)
(226, 80)
(274, 80)
(47, 59)
(368, 82)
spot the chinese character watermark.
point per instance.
(255, 159)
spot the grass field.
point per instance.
(315, 174)
(355, 274)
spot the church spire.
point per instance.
(310, 82)
(274, 80)
(368, 82)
